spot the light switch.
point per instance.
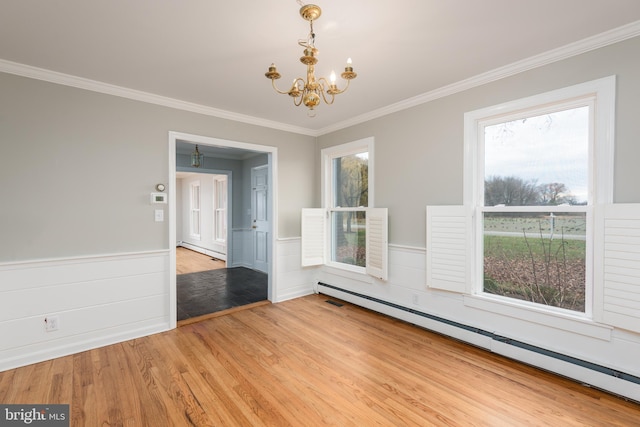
(159, 215)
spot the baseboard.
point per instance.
(204, 251)
(77, 346)
(589, 374)
(293, 293)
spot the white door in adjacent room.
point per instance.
(260, 218)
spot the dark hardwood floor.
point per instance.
(216, 290)
(205, 286)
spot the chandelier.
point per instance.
(310, 92)
(196, 158)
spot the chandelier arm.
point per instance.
(295, 82)
(337, 91)
(321, 88)
(273, 83)
(297, 100)
(325, 98)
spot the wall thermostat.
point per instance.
(158, 198)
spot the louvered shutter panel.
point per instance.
(313, 236)
(449, 252)
(618, 302)
(377, 242)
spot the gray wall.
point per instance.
(419, 151)
(77, 167)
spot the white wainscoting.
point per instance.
(98, 300)
(293, 281)
(405, 296)
(242, 247)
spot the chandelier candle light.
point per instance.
(310, 91)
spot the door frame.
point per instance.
(272, 162)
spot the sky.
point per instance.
(548, 148)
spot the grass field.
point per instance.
(528, 264)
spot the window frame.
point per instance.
(600, 96)
(328, 155)
(195, 226)
(220, 183)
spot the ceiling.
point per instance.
(214, 54)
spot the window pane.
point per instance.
(350, 180)
(539, 160)
(536, 257)
(348, 237)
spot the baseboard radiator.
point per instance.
(509, 341)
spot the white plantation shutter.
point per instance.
(315, 239)
(449, 251)
(377, 240)
(617, 266)
(313, 236)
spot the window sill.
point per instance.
(564, 321)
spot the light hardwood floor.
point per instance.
(305, 362)
(188, 261)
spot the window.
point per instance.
(194, 208)
(220, 208)
(535, 170)
(534, 205)
(349, 198)
(348, 233)
(536, 184)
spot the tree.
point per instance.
(353, 184)
(555, 193)
(514, 191)
(510, 191)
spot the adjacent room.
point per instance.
(220, 264)
(345, 213)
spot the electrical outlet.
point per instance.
(414, 299)
(51, 323)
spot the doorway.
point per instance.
(240, 160)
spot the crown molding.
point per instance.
(123, 92)
(591, 43)
(573, 49)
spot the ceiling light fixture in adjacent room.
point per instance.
(196, 158)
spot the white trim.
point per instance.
(599, 95)
(287, 239)
(604, 91)
(353, 147)
(173, 137)
(137, 95)
(327, 155)
(195, 199)
(598, 41)
(8, 265)
(573, 49)
(204, 251)
(151, 327)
